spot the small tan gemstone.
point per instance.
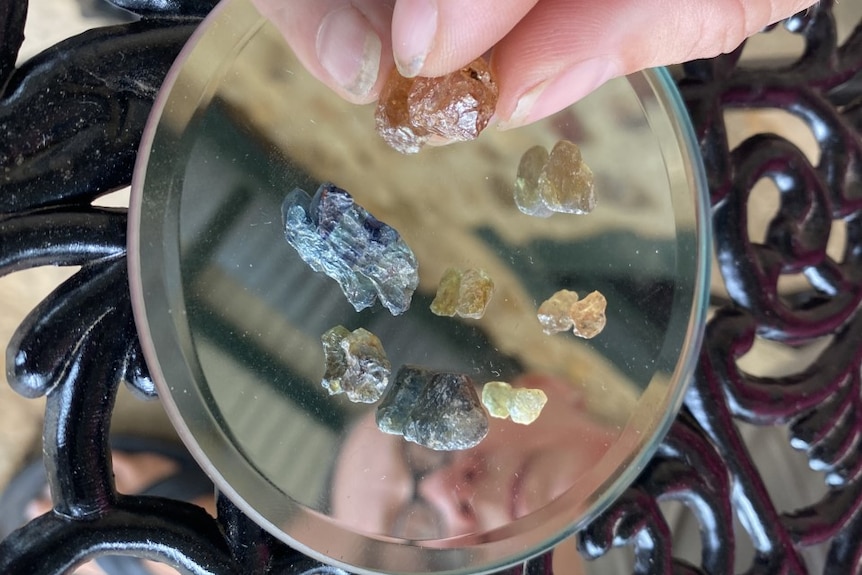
(588, 315)
(566, 183)
(475, 292)
(464, 293)
(564, 311)
(522, 405)
(555, 312)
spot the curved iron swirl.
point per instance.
(819, 402)
(72, 118)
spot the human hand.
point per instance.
(545, 54)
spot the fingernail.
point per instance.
(412, 44)
(556, 93)
(349, 50)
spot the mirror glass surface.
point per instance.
(231, 317)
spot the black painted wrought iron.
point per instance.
(71, 119)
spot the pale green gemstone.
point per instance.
(495, 398)
(525, 405)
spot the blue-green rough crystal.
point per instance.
(448, 415)
(336, 236)
(393, 412)
(438, 410)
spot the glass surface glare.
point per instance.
(231, 317)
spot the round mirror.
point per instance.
(232, 315)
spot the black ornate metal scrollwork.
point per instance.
(71, 119)
(820, 403)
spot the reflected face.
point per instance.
(385, 485)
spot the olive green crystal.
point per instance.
(557, 182)
(465, 293)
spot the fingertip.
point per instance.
(561, 90)
(349, 50)
(342, 43)
(414, 28)
(436, 37)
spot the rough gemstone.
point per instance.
(563, 311)
(400, 398)
(336, 236)
(455, 107)
(527, 196)
(564, 183)
(392, 116)
(356, 364)
(555, 312)
(438, 410)
(588, 315)
(521, 404)
(466, 293)
(447, 415)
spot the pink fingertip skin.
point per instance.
(349, 50)
(554, 94)
(412, 43)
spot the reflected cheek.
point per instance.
(549, 475)
(370, 506)
(369, 486)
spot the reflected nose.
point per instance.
(452, 494)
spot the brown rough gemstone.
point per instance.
(456, 107)
(555, 312)
(566, 183)
(588, 315)
(555, 182)
(475, 292)
(392, 117)
(564, 311)
(466, 293)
